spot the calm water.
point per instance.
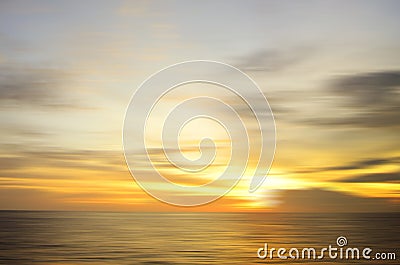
(195, 238)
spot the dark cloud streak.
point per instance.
(364, 100)
(361, 164)
(271, 60)
(374, 178)
(318, 201)
(32, 86)
(23, 158)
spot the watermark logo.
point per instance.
(157, 86)
(341, 241)
(340, 251)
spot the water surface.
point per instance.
(45, 237)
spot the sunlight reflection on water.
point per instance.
(181, 238)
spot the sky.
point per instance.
(329, 69)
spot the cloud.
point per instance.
(33, 83)
(22, 159)
(370, 89)
(364, 100)
(32, 86)
(376, 96)
(271, 60)
(317, 200)
(375, 178)
(361, 164)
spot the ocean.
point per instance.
(53, 237)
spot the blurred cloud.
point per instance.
(35, 87)
(375, 178)
(364, 100)
(370, 89)
(270, 60)
(361, 164)
(375, 97)
(21, 159)
(318, 200)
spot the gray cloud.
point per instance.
(361, 164)
(273, 59)
(21, 158)
(370, 89)
(374, 96)
(317, 200)
(32, 86)
(364, 100)
(375, 178)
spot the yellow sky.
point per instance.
(67, 72)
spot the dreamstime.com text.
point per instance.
(338, 251)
